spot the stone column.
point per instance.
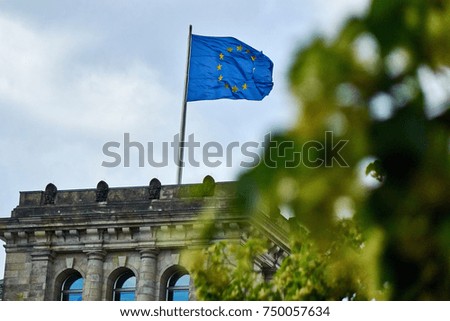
(93, 284)
(146, 287)
(40, 265)
(268, 273)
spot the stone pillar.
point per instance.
(146, 287)
(93, 284)
(268, 273)
(40, 265)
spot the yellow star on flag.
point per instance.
(239, 48)
(227, 86)
(234, 88)
(244, 86)
(229, 49)
(221, 56)
(253, 58)
(220, 78)
(219, 67)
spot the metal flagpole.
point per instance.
(183, 112)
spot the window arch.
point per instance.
(177, 288)
(72, 287)
(125, 287)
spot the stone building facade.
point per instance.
(121, 243)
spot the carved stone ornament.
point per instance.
(154, 189)
(209, 185)
(102, 192)
(50, 194)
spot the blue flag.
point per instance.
(224, 67)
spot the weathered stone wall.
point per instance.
(101, 232)
(16, 284)
(1, 289)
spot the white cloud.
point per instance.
(39, 75)
(330, 15)
(28, 61)
(116, 101)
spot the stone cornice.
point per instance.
(130, 218)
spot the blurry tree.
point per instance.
(367, 86)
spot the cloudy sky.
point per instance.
(75, 75)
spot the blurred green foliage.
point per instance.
(366, 86)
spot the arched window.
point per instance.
(125, 287)
(72, 288)
(178, 287)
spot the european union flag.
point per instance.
(224, 67)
